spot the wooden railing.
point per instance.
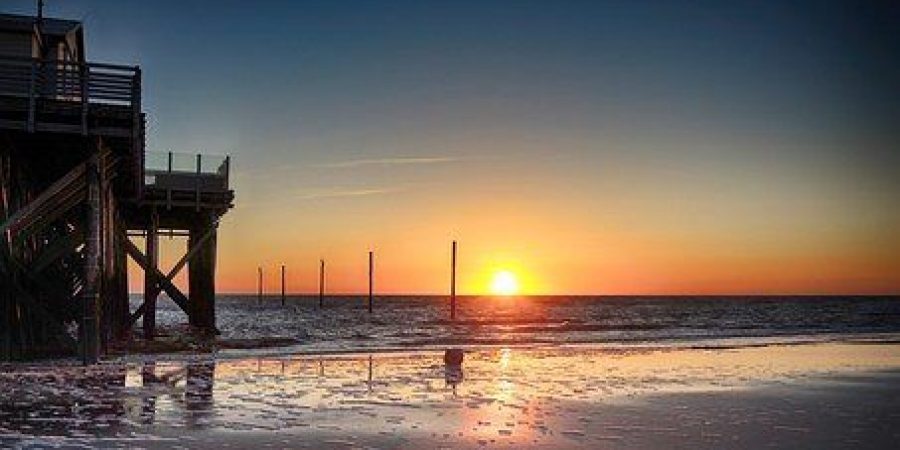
(181, 179)
(69, 84)
(183, 171)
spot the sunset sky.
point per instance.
(624, 147)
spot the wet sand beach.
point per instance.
(824, 395)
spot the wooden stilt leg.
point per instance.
(90, 326)
(202, 275)
(122, 314)
(151, 290)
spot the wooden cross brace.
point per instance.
(7, 265)
(164, 281)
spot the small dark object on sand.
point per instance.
(453, 357)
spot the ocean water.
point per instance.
(422, 322)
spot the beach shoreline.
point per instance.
(814, 414)
(547, 397)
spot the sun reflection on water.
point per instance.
(508, 396)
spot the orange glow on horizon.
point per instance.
(549, 248)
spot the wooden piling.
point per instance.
(7, 308)
(150, 280)
(282, 285)
(90, 319)
(453, 281)
(122, 322)
(202, 274)
(321, 283)
(259, 285)
(371, 277)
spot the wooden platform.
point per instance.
(73, 187)
(62, 116)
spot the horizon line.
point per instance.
(391, 294)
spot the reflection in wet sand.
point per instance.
(369, 380)
(188, 387)
(509, 397)
(148, 402)
(198, 393)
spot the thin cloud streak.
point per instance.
(401, 161)
(347, 193)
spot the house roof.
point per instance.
(25, 24)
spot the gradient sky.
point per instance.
(628, 147)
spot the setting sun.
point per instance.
(504, 283)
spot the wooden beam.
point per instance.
(54, 212)
(120, 296)
(202, 276)
(52, 319)
(90, 295)
(136, 315)
(32, 87)
(196, 247)
(35, 280)
(10, 265)
(151, 279)
(18, 219)
(170, 289)
(173, 292)
(57, 249)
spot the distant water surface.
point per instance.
(413, 322)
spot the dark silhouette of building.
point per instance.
(75, 183)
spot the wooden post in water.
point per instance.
(321, 283)
(371, 270)
(282, 285)
(259, 287)
(453, 282)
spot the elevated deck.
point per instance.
(92, 99)
(99, 100)
(182, 189)
(46, 105)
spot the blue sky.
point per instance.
(728, 128)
